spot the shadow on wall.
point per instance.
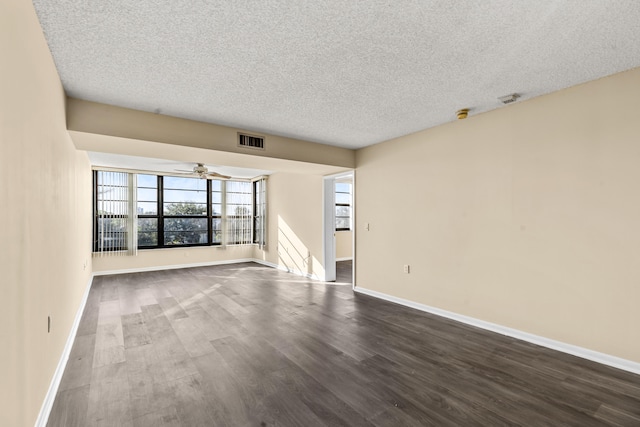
(294, 255)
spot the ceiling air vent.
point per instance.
(251, 141)
(508, 99)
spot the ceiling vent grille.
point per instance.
(251, 141)
(508, 99)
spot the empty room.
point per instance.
(296, 213)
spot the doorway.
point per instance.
(339, 230)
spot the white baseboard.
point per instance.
(605, 359)
(47, 405)
(347, 258)
(45, 410)
(585, 353)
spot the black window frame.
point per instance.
(207, 216)
(230, 218)
(212, 217)
(160, 216)
(157, 216)
(256, 217)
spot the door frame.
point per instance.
(329, 224)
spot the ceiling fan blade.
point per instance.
(214, 175)
(201, 171)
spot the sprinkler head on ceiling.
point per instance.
(462, 114)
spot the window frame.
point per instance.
(256, 216)
(207, 215)
(161, 217)
(220, 216)
(96, 248)
(230, 218)
(157, 216)
(349, 205)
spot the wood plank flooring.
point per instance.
(247, 345)
(344, 272)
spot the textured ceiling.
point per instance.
(345, 73)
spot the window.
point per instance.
(147, 209)
(343, 206)
(260, 212)
(216, 211)
(185, 219)
(170, 211)
(114, 218)
(239, 212)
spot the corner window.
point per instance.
(151, 211)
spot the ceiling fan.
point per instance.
(201, 171)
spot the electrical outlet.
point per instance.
(48, 324)
(407, 268)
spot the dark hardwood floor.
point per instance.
(344, 272)
(247, 345)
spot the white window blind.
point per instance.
(238, 212)
(167, 211)
(115, 216)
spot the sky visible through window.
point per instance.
(177, 190)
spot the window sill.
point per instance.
(196, 247)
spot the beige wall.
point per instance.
(527, 216)
(344, 244)
(294, 204)
(101, 119)
(135, 147)
(171, 257)
(45, 188)
(294, 235)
